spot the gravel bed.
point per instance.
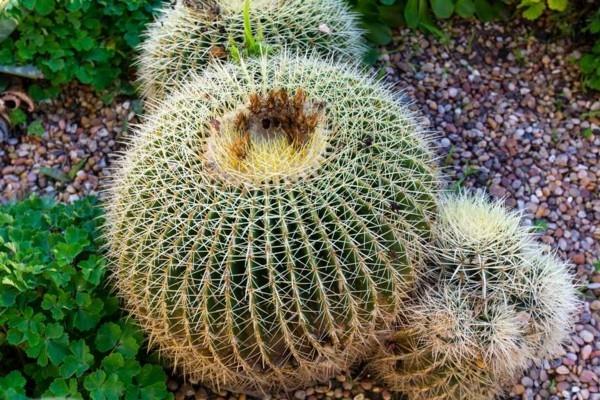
(71, 159)
(513, 120)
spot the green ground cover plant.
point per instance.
(61, 332)
(381, 16)
(590, 62)
(84, 40)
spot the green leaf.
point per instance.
(36, 128)
(78, 362)
(379, 34)
(55, 64)
(411, 13)
(88, 316)
(371, 56)
(442, 8)
(17, 117)
(534, 11)
(28, 4)
(103, 388)
(55, 174)
(113, 362)
(107, 337)
(6, 219)
(392, 15)
(93, 269)
(12, 386)
(44, 7)
(76, 168)
(151, 384)
(484, 10)
(63, 388)
(588, 63)
(558, 5)
(465, 8)
(8, 296)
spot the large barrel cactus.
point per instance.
(493, 300)
(186, 37)
(265, 222)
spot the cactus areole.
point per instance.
(265, 223)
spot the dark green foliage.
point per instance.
(590, 62)
(380, 16)
(61, 333)
(91, 41)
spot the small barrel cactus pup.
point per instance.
(185, 38)
(493, 300)
(265, 222)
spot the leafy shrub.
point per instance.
(533, 9)
(590, 63)
(61, 333)
(85, 40)
(380, 16)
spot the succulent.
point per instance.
(492, 300)
(187, 36)
(266, 221)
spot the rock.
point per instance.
(587, 376)
(562, 370)
(300, 394)
(587, 336)
(518, 389)
(527, 381)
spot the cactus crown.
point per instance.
(275, 136)
(479, 244)
(266, 221)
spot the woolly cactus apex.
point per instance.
(265, 222)
(479, 244)
(185, 38)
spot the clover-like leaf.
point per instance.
(103, 387)
(12, 386)
(151, 384)
(108, 336)
(78, 362)
(63, 388)
(93, 269)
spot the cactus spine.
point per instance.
(491, 301)
(265, 222)
(186, 37)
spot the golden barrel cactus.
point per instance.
(266, 221)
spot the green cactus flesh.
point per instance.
(265, 222)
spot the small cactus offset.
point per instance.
(187, 36)
(266, 221)
(491, 300)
